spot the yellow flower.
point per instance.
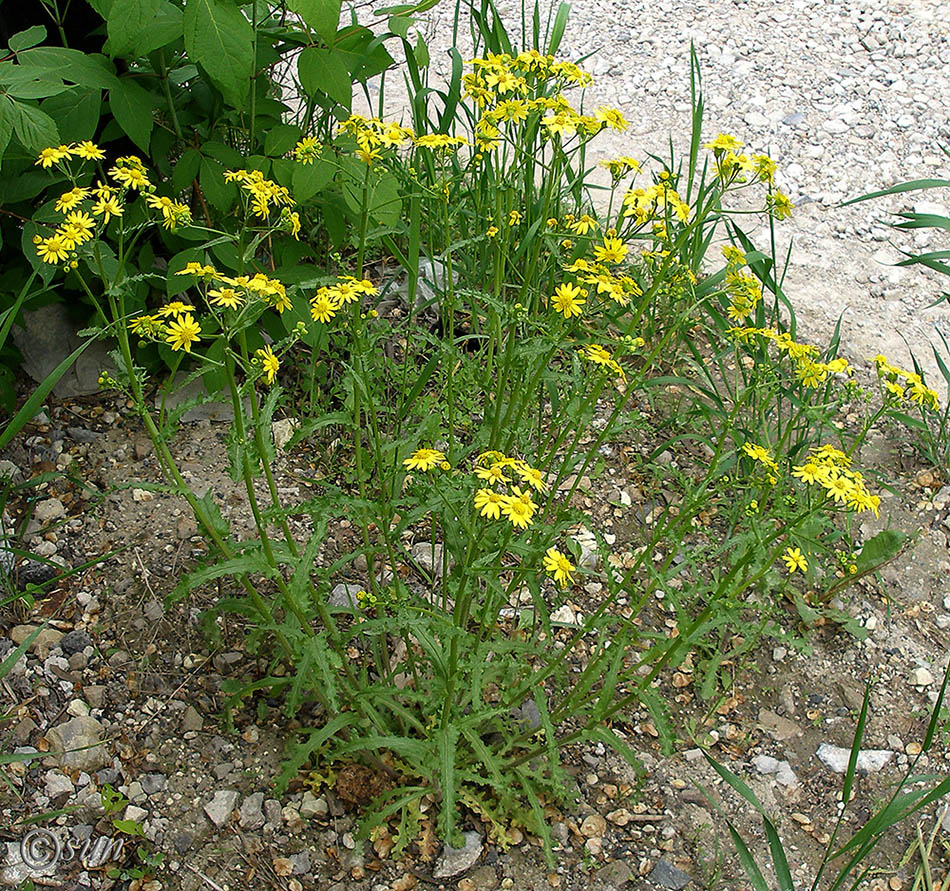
(323, 306)
(132, 176)
(226, 297)
(107, 207)
(50, 156)
(492, 231)
(53, 249)
(612, 118)
(795, 560)
(269, 362)
(809, 472)
(193, 268)
(489, 503)
(518, 508)
(780, 205)
(559, 566)
(493, 474)
(724, 143)
(584, 225)
(839, 487)
(424, 460)
(69, 200)
(183, 332)
(175, 308)
(307, 150)
(530, 475)
(568, 300)
(613, 250)
(87, 150)
(595, 353)
(82, 225)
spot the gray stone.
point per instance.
(836, 758)
(46, 337)
(454, 861)
(250, 814)
(77, 744)
(301, 862)
(154, 611)
(205, 408)
(272, 811)
(82, 435)
(57, 783)
(153, 782)
(311, 806)
(75, 642)
(431, 558)
(42, 643)
(665, 875)
(343, 596)
(220, 808)
(95, 695)
(776, 726)
(615, 874)
(191, 720)
(48, 510)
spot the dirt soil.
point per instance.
(146, 675)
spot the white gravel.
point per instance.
(849, 97)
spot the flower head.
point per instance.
(489, 503)
(269, 362)
(424, 460)
(568, 300)
(795, 560)
(559, 566)
(518, 508)
(183, 332)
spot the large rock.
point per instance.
(47, 336)
(77, 744)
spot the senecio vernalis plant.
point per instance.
(461, 678)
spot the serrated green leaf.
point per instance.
(309, 179)
(76, 112)
(132, 108)
(6, 124)
(127, 19)
(220, 39)
(34, 128)
(85, 69)
(325, 71)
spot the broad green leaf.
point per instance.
(220, 193)
(7, 115)
(127, 19)
(132, 108)
(76, 112)
(27, 82)
(25, 39)
(220, 39)
(321, 15)
(35, 129)
(323, 70)
(309, 179)
(165, 26)
(281, 139)
(86, 69)
(186, 169)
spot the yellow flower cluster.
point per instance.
(650, 203)
(425, 460)
(912, 387)
(329, 299)
(179, 333)
(603, 281)
(620, 167)
(810, 371)
(830, 468)
(501, 75)
(733, 167)
(601, 356)
(744, 290)
(264, 193)
(505, 498)
(86, 150)
(174, 213)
